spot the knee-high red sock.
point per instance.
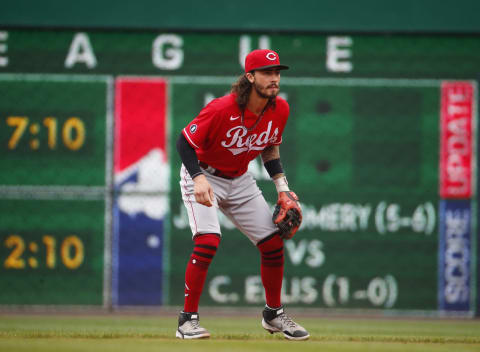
(203, 252)
(271, 249)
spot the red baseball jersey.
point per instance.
(221, 141)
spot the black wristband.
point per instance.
(274, 167)
(188, 156)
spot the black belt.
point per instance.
(214, 171)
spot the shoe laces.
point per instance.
(195, 323)
(287, 320)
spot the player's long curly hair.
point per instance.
(242, 88)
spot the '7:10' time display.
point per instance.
(72, 252)
(72, 132)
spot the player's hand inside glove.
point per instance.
(287, 215)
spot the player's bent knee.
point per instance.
(271, 249)
(207, 239)
(205, 248)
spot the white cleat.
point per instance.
(275, 320)
(189, 327)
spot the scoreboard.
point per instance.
(49, 142)
(380, 146)
(54, 159)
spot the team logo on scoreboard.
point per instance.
(142, 173)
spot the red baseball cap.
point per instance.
(262, 59)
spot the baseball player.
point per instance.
(216, 148)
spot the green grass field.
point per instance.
(121, 333)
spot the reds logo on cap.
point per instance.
(271, 56)
(262, 59)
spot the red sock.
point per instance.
(271, 249)
(205, 248)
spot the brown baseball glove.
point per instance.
(287, 215)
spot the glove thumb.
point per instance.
(280, 216)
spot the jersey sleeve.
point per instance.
(196, 132)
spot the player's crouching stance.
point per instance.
(216, 148)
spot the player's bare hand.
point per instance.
(203, 191)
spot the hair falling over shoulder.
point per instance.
(242, 88)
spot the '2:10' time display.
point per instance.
(72, 132)
(24, 255)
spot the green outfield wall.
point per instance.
(216, 15)
(381, 147)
